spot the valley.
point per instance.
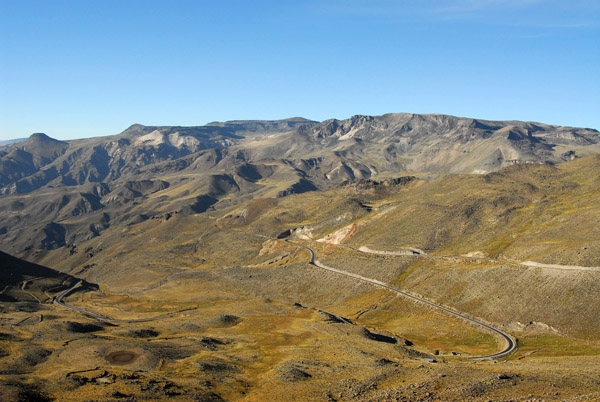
(389, 258)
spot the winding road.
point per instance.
(59, 297)
(511, 344)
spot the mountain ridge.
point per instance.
(413, 142)
(83, 187)
(184, 230)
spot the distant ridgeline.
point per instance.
(59, 193)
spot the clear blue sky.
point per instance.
(77, 69)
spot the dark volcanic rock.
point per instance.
(378, 337)
(212, 343)
(83, 328)
(145, 333)
(230, 320)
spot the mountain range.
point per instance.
(58, 193)
(390, 258)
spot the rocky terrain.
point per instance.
(59, 193)
(191, 292)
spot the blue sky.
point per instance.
(76, 69)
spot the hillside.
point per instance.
(58, 194)
(496, 221)
(202, 298)
(248, 314)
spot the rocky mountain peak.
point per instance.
(42, 140)
(43, 148)
(39, 136)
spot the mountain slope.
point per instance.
(361, 146)
(22, 281)
(440, 143)
(58, 194)
(248, 318)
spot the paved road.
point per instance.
(58, 300)
(511, 344)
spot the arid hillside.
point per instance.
(60, 193)
(392, 258)
(217, 305)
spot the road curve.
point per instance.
(511, 344)
(59, 297)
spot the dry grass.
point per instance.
(213, 262)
